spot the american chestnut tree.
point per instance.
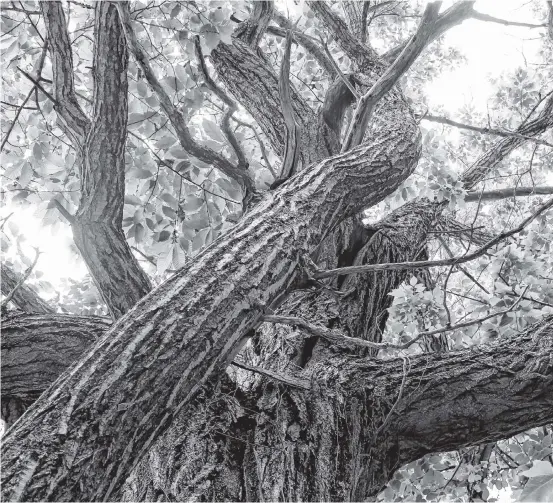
(305, 283)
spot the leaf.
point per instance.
(165, 141)
(192, 203)
(169, 212)
(168, 198)
(26, 175)
(141, 173)
(132, 199)
(538, 489)
(539, 468)
(142, 88)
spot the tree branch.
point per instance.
(306, 41)
(497, 194)
(360, 54)
(409, 54)
(293, 132)
(340, 339)
(177, 119)
(24, 297)
(505, 146)
(435, 263)
(288, 380)
(40, 65)
(74, 120)
(225, 98)
(20, 282)
(483, 130)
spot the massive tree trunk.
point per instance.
(151, 401)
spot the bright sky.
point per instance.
(489, 48)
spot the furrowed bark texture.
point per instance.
(97, 225)
(362, 419)
(25, 298)
(36, 349)
(254, 83)
(104, 413)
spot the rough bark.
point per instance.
(190, 326)
(364, 418)
(25, 298)
(36, 349)
(97, 225)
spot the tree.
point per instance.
(292, 351)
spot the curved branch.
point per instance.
(173, 114)
(293, 131)
(409, 54)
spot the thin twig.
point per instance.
(290, 381)
(341, 339)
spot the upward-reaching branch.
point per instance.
(174, 114)
(412, 50)
(292, 149)
(75, 121)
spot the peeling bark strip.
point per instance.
(103, 414)
(97, 225)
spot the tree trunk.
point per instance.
(100, 143)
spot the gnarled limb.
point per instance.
(191, 326)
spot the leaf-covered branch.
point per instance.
(177, 119)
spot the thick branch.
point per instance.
(368, 101)
(97, 225)
(505, 146)
(24, 297)
(351, 45)
(75, 121)
(10, 295)
(497, 194)
(225, 98)
(37, 348)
